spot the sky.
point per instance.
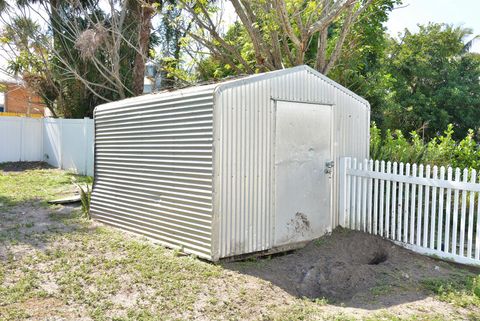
(464, 13)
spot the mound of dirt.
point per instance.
(347, 266)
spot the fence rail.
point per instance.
(427, 209)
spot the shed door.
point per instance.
(302, 188)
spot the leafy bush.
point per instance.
(441, 151)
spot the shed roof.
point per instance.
(281, 72)
(232, 83)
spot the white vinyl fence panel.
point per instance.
(20, 139)
(429, 210)
(63, 143)
(69, 144)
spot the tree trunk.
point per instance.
(145, 12)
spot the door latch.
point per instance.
(329, 167)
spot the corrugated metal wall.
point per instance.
(352, 132)
(244, 140)
(243, 169)
(153, 167)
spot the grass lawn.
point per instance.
(55, 265)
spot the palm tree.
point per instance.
(144, 11)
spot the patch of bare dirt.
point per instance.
(238, 296)
(351, 268)
(23, 166)
(50, 309)
(27, 225)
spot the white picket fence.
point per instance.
(63, 143)
(430, 210)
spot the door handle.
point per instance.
(329, 167)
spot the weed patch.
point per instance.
(461, 290)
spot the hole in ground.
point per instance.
(378, 257)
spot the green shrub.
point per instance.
(441, 151)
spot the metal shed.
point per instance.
(243, 166)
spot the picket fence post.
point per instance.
(342, 207)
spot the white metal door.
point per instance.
(302, 187)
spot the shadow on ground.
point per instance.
(23, 166)
(352, 269)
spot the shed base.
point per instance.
(284, 249)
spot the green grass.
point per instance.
(73, 268)
(34, 184)
(391, 317)
(461, 290)
(381, 290)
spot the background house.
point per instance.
(17, 100)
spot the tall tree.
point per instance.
(88, 55)
(143, 11)
(172, 31)
(22, 42)
(434, 81)
(280, 31)
(360, 66)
